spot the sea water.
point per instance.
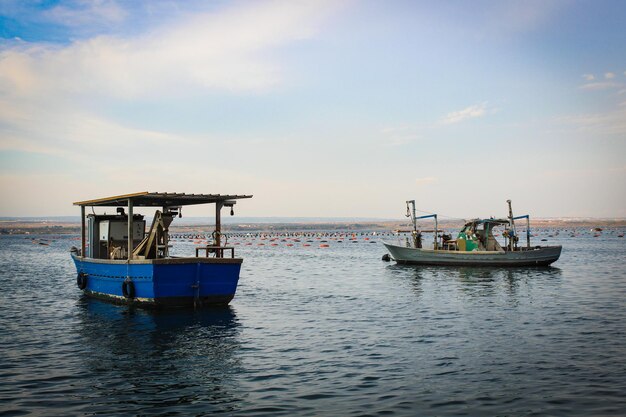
(323, 331)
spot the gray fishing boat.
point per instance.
(475, 245)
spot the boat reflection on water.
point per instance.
(478, 274)
(162, 358)
(489, 281)
(475, 279)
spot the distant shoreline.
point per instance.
(19, 227)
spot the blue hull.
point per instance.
(160, 282)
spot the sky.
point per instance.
(317, 108)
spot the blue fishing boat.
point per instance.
(121, 261)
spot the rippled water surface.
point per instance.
(323, 331)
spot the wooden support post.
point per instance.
(82, 231)
(166, 235)
(130, 229)
(218, 227)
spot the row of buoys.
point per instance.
(275, 241)
(287, 243)
(344, 235)
(286, 235)
(355, 240)
(351, 238)
(322, 245)
(291, 238)
(340, 236)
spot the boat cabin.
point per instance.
(107, 234)
(116, 237)
(478, 235)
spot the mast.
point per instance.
(411, 214)
(417, 235)
(513, 232)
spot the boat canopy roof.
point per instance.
(149, 199)
(487, 221)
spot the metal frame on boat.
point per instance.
(475, 245)
(119, 261)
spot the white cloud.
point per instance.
(609, 82)
(44, 87)
(425, 180)
(471, 112)
(209, 51)
(602, 85)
